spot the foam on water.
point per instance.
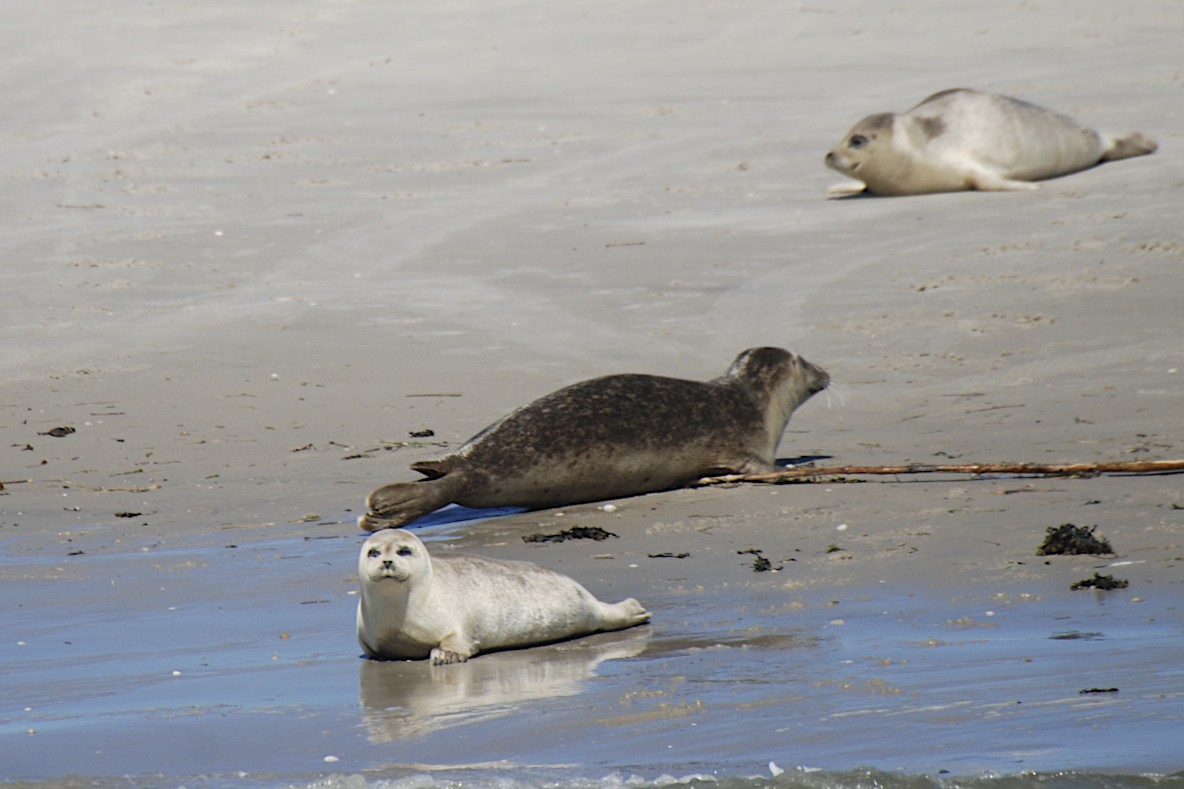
(492, 778)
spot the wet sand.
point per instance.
(251, 250)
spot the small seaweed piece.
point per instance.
(1102, 582)
(1097, 690)
(761, 563)
(1074, 635)
(1069, 539)
(574, 533)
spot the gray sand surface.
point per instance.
(249, 248)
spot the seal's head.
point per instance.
(860, 144)
(774, 369)
(392, 556)
(779, 382)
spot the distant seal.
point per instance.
(449, 608)
(614, 436)
(964, 139)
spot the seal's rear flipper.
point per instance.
(400, 503)
(1127, 145)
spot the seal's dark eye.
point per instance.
(857, 141)
(404, 551)
(373, 553)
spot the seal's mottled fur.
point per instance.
(614, 436)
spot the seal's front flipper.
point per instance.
(453, 649)
(987, 181)
(432, 469)
(846, 189)
(756, 465)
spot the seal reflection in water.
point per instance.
(620, 435)
(449, 608)
(963, 139)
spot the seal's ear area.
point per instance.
(749, 367)
(931, 126)
(942, 94)
(432, 469)
(755, 361)
(871, 124)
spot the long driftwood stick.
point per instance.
(1031, 469)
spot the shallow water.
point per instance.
(212, 681)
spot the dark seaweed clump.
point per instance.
(574, 533)
(761, 563)
(1069, 540)
(1103, 582)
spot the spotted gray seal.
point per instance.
(449, 608)
(614, 436)
(963, 139)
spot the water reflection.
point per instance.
(402, 699)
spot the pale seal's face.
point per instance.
(849, 156)
(391, 555)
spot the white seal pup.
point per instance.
(963, 139)
(449, 608)
(620, 435)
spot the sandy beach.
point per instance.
(250, 249)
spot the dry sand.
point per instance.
(250, 248)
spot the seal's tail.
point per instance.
(1124, 146)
